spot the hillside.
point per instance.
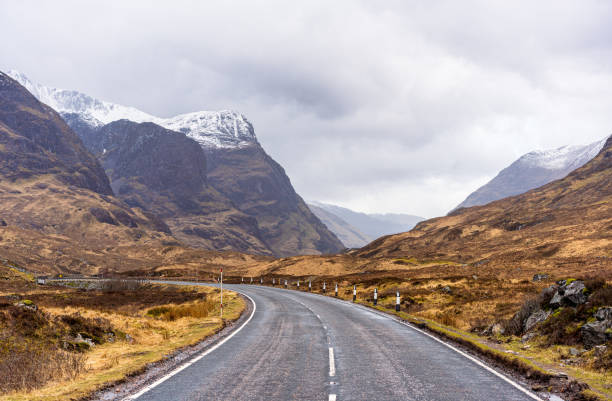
(565, 221)
(533, 170)
(52, 189)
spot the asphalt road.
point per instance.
(302, 346)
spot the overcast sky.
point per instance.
(389, 106)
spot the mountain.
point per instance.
(567, 222)
(533, 170)
(350, 236)
(237, 167)
(164, 172)
(367, 226)
(51, 185)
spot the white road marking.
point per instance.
(332, 397)
(476, 361)
(332, 364)
(194, 360)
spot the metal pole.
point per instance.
(221, 281)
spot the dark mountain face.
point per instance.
(164, 172)
(147, 155)
(259, 187)
(35, 140)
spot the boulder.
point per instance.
(540, 277)
(569, 293)
(596, 333)
(600, 350)
(604, 314)
(535, 318)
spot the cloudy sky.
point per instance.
(389, 106)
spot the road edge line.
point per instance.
(196, 359)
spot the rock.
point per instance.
(603, 314)
(540, 277)
(535, 318)
(570, 293)
(596, 333)
(3, 223)
(600, 350)
(129, 339)
(446, 289)
(528, 336)
(575, 351)
(497, 329)
(80, 339)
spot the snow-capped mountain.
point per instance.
(533, 170)
(211, 129)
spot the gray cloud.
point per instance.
(379, 106)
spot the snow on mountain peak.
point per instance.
(564, 157)
(211, 129)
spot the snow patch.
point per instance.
(211, 129)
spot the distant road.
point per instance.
(301, 346)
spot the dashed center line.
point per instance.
(332, 397)
(332, 364)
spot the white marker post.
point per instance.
(251, 280)
(324, 287)
(336, 290)
(397, 301)
(273, 281)
(298, 284)
(309, 285)
(354, 293)
(261, 280)
(285, 283)
(242, 280)
(375, 296)
(221, 281)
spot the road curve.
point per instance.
(302, 346)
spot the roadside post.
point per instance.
(336, 290)
(242, 280)
(272, 281)
(261, 280)
(298, 284)
(397, 301)
(285, 283)
(324, 287)
(309, 285)
(375, 296)
(251, 280)
(221, 281)
(354, 292)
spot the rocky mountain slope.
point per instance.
(164, 172)
(567, 222)
(361, 228)
(533, 170)
(238, 168)
(50, 184)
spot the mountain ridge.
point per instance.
(532, 170)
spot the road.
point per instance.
(302, 346)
